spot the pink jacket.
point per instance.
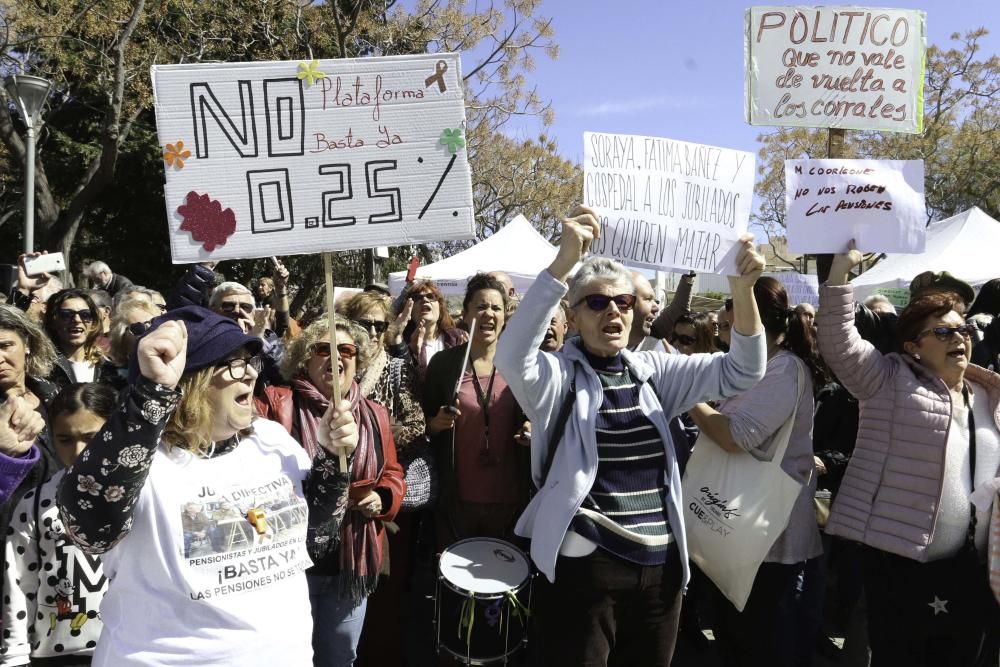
(892, 488)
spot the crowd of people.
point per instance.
(205, 479)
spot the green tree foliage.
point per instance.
(960, 145)
(99, 190)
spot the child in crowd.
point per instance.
(52, 590)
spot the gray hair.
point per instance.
(100, 298)
(222, 290)
(40, 353)
(879, 303)
(96, 267)
(298, 352)
(126, 294)
(597, 269)
(118, 350)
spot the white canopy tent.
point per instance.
(964, 245)
(517, 249)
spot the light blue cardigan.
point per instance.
(540, 381)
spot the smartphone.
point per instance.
(49, 263)
(411, 270)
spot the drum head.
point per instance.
(484, 565)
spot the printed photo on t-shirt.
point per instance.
(242, 537)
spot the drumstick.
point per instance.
(465, 362)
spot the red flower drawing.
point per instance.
(207, 221)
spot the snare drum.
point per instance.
(482, 599)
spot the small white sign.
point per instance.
(878, 203)
(667, 204)
(282, 158)
(801, 287)
(847, 67)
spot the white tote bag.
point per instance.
(735, 507)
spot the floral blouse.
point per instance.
(99, 492)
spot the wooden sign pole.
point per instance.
(330, 314)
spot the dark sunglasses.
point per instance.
(424, 296)
(600, 302)
(683, 339)
(67, 314)
(346, 351)
(231, 306)
(944, 333)
(378, 325)
(139, 328)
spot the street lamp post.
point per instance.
(29, 94)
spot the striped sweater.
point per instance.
(625, 512)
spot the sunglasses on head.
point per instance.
(231, 306)
(600, 302)
(139, 328)
(378, 325)
(683, 339)
(67, 314)
(944, 333)
(346, 351)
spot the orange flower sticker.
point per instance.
(175, 155)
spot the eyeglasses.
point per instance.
(139, 328)
(944, 333)
(378, 325)
(231, 306)
(423, 296)
(346, 351)
(600, 302)
(683, 339)
(238, 367)
(67, 314)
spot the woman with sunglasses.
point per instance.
(71, 321)
(387, 380)
(606, 524)
(927, 446)
(185, 454)
(340, 583)
(423, 326)
(472, 418)
(695, 334)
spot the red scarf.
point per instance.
(360, 546)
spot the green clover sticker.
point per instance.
(452, 139)
(310, 72)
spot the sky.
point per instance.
(671, 69)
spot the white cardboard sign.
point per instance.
(801, 287)
(839, 66)
(280, 158)
(878, 203)
(667, 204)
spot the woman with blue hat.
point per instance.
(207, 518)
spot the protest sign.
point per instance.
(667, 204)
(279, 158)
(845, 67)
(801, 287)
(878, 203)
(897, 296)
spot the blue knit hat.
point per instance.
(211, 338)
